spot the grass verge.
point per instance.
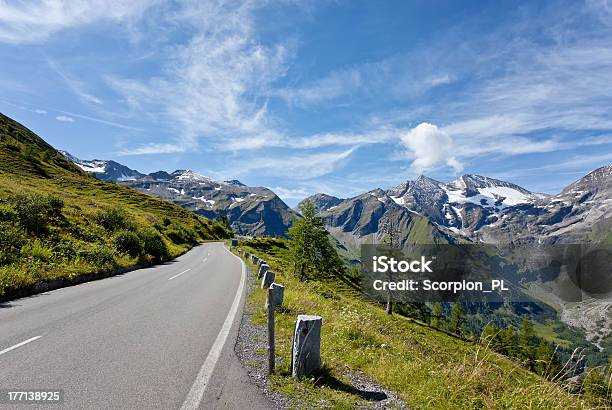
(425, 367)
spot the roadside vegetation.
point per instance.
(425, 366)
(56, 222)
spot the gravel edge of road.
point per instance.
(251, 339)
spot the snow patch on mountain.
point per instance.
(93, 166)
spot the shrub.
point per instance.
(180, 234)
(34, 211)
(128, 242)
(154, 244)
(100, 255)
(11, 240)
(66, 249)
(37, 250)
(112, 218)
(220, 231)
(7, 213)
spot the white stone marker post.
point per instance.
(276, 294)
(306, 350)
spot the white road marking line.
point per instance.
(204, 260)
(19, 345)
(177, 275)
(199, 385)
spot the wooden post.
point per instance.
(276, 294)
(271, 345)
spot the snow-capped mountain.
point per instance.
(475, 208)
(250, 210)
(479, 208)
(581, 213)
(108, 171)
(464, 205)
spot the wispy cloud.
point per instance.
(338, 84)
(397, 77)
(152, 149)
(299, 167)
(35, 21)
(101, 121)
(76, 86)
(64, 118)
(212, 86)
(291, 193)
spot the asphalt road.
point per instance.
(155, 338)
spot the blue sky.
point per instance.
(317, 96)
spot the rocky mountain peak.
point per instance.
(595, 181)
(234, 182)
(473, 182)
(322, 202)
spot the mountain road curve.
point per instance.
(155, 338)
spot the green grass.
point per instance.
(425, 367)
(547, 332)
(57, 222)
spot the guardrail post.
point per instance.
(276, 294)
(262, 270)
(306, 350)
(267, 280)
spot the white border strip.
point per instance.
(25, 342)
(179, 274)
(199, 385)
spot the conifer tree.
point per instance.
(457, 318)
(526, 343)
(508, 342)
(546, 361)
(309, 245)
(437, 316)
(491, 337)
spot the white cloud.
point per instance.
(64, 118)
(300, 167)
(440, 80)
(35, 21)
(39, 111)
(430, 147)
(153, 149)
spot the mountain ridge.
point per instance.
(250, 210)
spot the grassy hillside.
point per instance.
(426, 367)
(57, 222)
